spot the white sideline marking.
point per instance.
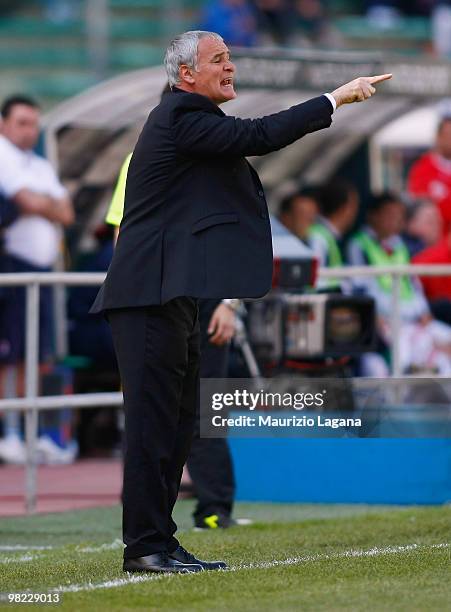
(23, 547)
(116, 544)
(133, 579)
(372, 552)
(91, 549)
(21, 559)
(109, 584)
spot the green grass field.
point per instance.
(294, 557)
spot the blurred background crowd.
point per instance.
(56, 48)
(51, 50)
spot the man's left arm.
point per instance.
(63, 208)
(64, 211)
(200, 132)
(203, 133)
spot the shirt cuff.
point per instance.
(332, 101)
(233, 303)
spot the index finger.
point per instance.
(379, 78)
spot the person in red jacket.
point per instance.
(430, 175)
(437, 288)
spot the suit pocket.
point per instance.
(214, 219)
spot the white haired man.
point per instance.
(195, 225)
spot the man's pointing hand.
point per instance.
(359, 89)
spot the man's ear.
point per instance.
(186, 74)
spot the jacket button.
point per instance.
(260, 193)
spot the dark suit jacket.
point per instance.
(195, 217)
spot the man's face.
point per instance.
(21, 126)
(304, 211)
(444, 139)
(214, 75)
(427, 224)
(389, 220)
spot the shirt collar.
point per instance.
(330, 226)
(205, 101)
(392, 242)
(11, 145)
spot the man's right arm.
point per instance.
(58, 210)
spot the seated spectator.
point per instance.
(441, 28)
(437, 288)
(298, 212)
(275, 20)
(379, 243)
(61, 11)
(423, 227)
(339, 203)
(384, 14)
(234, 20)
(312, 26)
(430, 175)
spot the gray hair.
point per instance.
(183, 50)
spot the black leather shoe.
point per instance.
(160, 563)
(185, 557)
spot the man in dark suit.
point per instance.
(195, 226)
(209, 462)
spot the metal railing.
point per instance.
(32, 403)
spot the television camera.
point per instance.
(293, 322)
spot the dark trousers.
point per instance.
(12, 319)
(157, 349)
(209, 462)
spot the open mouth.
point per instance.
(227, 82)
